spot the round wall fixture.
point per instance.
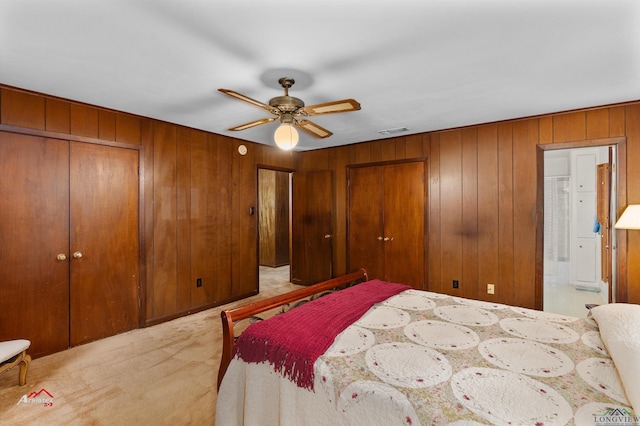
(242, 149)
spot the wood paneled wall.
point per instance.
(197, 191)
(482, 197)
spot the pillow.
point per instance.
(619, 325)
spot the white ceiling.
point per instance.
(421, 64)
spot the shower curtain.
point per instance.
(557, 216)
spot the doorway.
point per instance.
(295, 222)
(274, 227)
(578, 195)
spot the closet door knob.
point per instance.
(380, 238)
(61, 257)
(77, 255)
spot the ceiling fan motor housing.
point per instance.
(286, 103)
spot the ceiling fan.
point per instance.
(292, 112)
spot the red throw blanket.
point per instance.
(292, 341)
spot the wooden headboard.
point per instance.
(252, 309)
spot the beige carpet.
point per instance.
(161, 375)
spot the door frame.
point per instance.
(142, 271)
(277, 169)
(620, 267)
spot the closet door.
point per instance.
(34, 241)
(60, 199)
(386, 222)
(104, 241)
(404, 223)
(365, 225)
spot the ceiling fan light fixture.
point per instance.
(286, 136)
(287, 109)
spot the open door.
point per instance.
(311, 226)
(604, 210)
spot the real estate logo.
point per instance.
(616, 417)
(41, 397)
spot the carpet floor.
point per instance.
(160, 375)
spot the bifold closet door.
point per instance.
(104, 241)
(386, 230)
(68, 241)
(34, 241)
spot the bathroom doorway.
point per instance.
(578, 243)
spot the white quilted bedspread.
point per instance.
(423, 358)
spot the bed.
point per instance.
(383, 354)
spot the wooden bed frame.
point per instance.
(283, 300)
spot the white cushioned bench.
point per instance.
(12, 353)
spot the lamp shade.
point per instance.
(286, 136)
(630, 219)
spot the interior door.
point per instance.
(104, 241)
(366, 228)
(404, 223)
(604, 218)
(34, 231)
(311, 226)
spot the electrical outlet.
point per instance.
(198, 282)
(491, 288)
(455, 283)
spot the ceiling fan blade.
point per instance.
(247, 99)
(344, 105)
(313, 129)
(254, 123)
